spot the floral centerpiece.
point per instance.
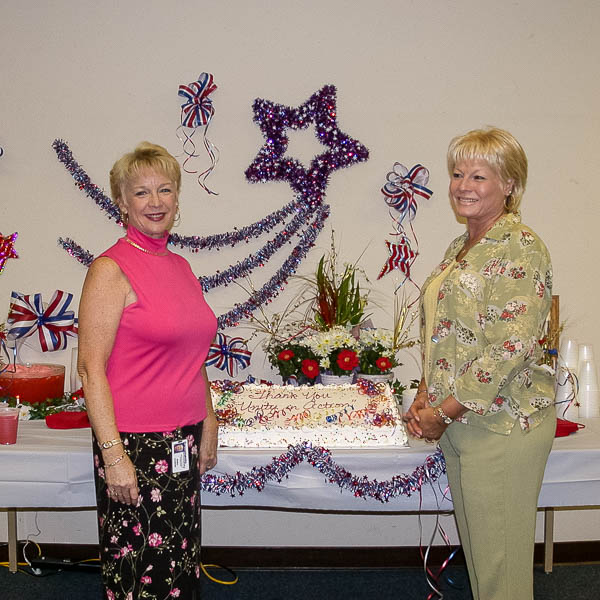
(377, 352)
(321, 332)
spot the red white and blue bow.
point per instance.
(53, 324)
(401, 257)
(198, 111)
(229, 354)
(404, 187)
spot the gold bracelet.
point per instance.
(110, 443)
(115, 462)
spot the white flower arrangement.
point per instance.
(323, 343)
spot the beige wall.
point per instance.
(410, 75)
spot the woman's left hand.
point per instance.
(432, 427)
(207, 457)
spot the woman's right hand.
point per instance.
(411, 417)
(122, 482)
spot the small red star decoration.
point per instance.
(7, 249)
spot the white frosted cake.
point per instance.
(271, 416)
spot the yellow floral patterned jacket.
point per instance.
(485, 336)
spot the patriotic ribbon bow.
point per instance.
(198, 108)
(53, 324)
(229, 354)
(403, 186)
(401, 257)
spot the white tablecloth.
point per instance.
(53, 468)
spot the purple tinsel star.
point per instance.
(272, 164)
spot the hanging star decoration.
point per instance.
(7, 249)
(197, 111)
(400, 192)
(302, 217)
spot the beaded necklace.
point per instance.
(144, 249)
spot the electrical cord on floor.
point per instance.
(232, 573)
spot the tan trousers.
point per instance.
(495, 482)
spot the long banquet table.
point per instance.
(53, 469)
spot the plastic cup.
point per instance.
(586, 352)
(589, 404)
(9, 423)
(587, 375)
(569, 352)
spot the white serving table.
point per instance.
(49, 469)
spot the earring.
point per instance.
(124, 216)
(508, 202)
(177, 218)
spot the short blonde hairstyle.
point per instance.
(145, 156)
(501, 151)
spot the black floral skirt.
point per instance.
(152, 550)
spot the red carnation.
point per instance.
(347, 360)
(310, 368)
(285, 355)
(383, 363)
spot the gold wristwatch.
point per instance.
(110, 443)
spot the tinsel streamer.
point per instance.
(320, 458)
(76, 251)
(266, 293)
(258, 258)
(194, 243)
(272, 288)
(83, 182)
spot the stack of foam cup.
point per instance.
(566, 389)
(589, 395)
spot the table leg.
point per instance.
(548, 539)
(11, 514)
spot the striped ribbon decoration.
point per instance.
(403, 187)
(229, 354)
(53, 324)
(198, 108)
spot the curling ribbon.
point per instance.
(27, 316)
(402, 188)
(196, 112)
(229, 354)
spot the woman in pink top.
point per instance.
(144, 333)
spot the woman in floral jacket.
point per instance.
(483, 393)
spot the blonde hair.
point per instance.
(145, 156)
(501, 151)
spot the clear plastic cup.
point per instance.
(9, 424)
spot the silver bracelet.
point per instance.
(439, 411)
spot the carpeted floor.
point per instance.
(573, 582)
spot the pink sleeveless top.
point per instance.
(162, 340)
